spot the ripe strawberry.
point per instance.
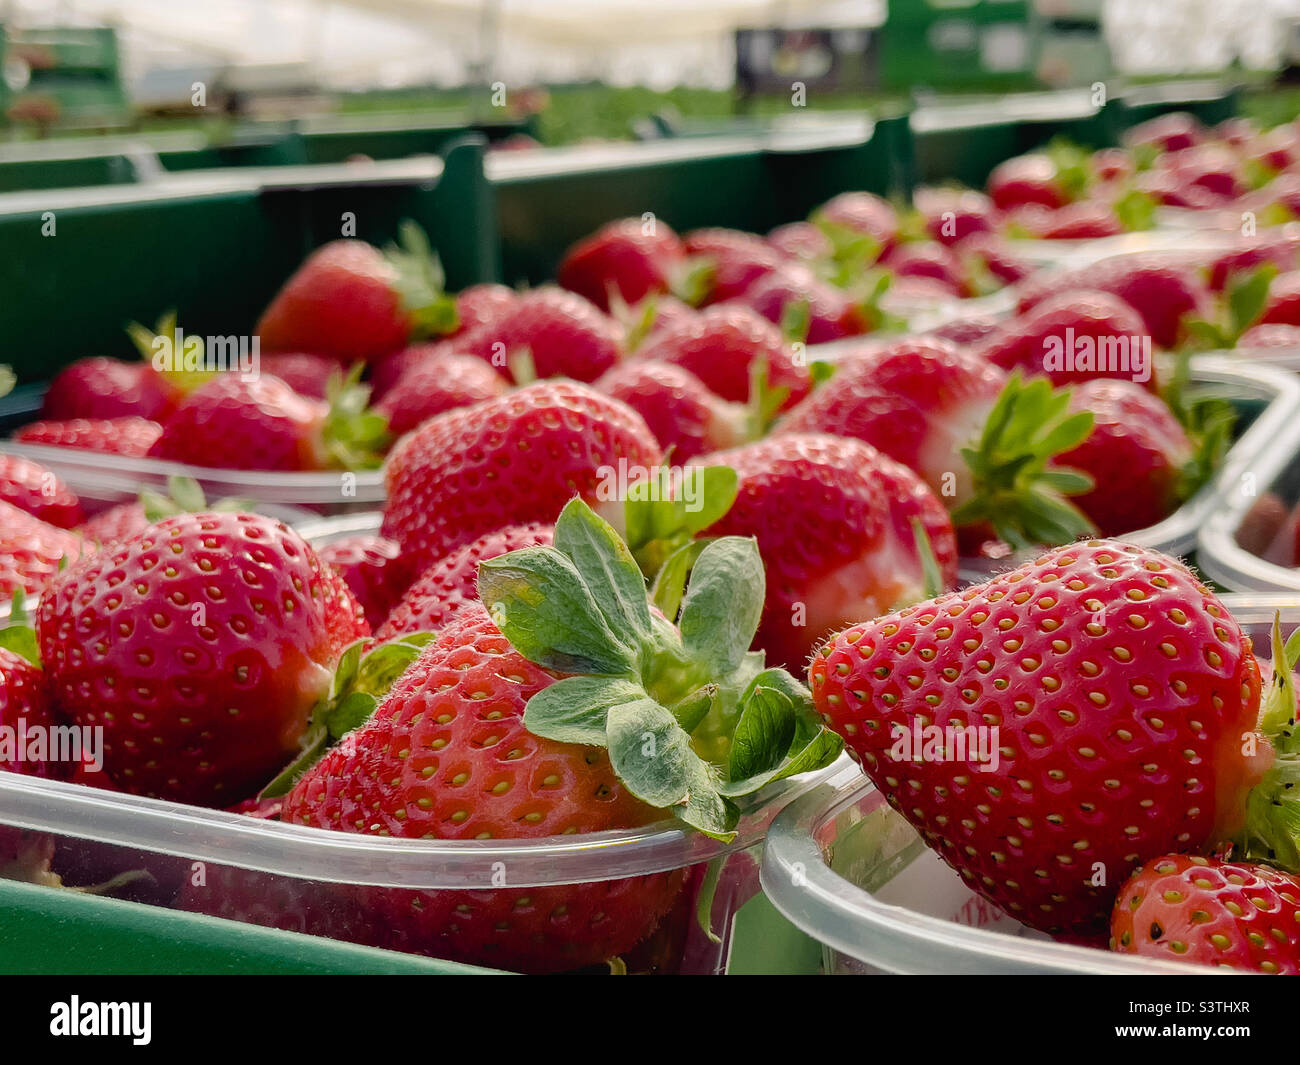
(308, 375)
(1086, 220)
(735, 260)
(351, 301)
(451, 583)
(1026, 179)
(1283, 306)
(1121, 691)
(861, 214)
(263, 424)
(833, 519)
(436, 384)
(510, 460)
(685, 417)
(930, 260)
(483, 304)
(1112, 164)
(966, 332)
(1076, 336)
(1233, 915)
(561, 334)
(832, 314)
(108, 388)
(1170, 133)
(25, 697)
(31, 550)
(1135, 455)
(200, 646)
(721, 347)
(629, 256)
(1270, 336)
(1281, 253)
(375, 570)
(131, 436)
(31, 487)
(482, 738)
(952, 215)
(801, 240)
(386, 371)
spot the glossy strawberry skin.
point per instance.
(1121, 690)
(1281, 253)
(737, 260)
(31, 550)
(108, 388)
(483, 304)
(832, 314)
(1170, 133)
(1026, 179)
(115, 524)
(863, 213)
(25, 696)
(833, 520)
(634, 258)
(1082, 221)
(374, 569)
(451, 583)
(681, 412)
(801, 240)
(917, 401)
(200, 646)
(436, 384)
(931, 260)
(31, 487)
(341, 302)
(720, 345)
(1283, 306)
(564, 334)
(1134, 454)
(507, 461)
(952, 215)
(260, 424)
(1231, 915)
(308, 375)
(130, 436)
(446, 756)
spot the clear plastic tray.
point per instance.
(848, 870)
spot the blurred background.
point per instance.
(577, 70)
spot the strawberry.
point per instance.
(1270, 336)
(263, 424)
(31, 487)
(685, 417)
(31, 550)
(965, 332)
(801, 240)
(832, 314)
(833, 519)
(548, 724)
(1135, 454)
(1283, 306)
(1081, 221)
(1169, 133)
(436, 384)
(25, 704)
(1111, 164)
(931, 260)
(862, 214)
(108, 388)
(451, 583)
(1027, 179)
(199, 646)
(507, 461)
(631, 257)
(1233, 915)
(548, 333)
(1075, 336)
(386, 371)
(375, 570)
(735, 260)
(1281, 253)
(979, 441)
(120, 522)
(130, 436)
(308, 375)
(350, 301)
(952, 215)
(1121, 692)
(481, 305)
(722, 345)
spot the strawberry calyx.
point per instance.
(363, 676)
(692, 719)
(420, 283)
(692, 281)
(1247, 296)
(1208, 421)
(1135, 210)
(183, 370)
(665, 512)
(353, 435)
(185, 496)
(1015, 489)
(18, 635)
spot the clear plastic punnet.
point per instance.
(848, 870)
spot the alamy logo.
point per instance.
(134, 1019)
(176, 353)
(1067, 353)
(70, 744)
(951, 743)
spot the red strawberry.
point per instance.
(25, 697)
(1170, 133)
(989, 252)
(1233, 915)
(263, 424)
(130, 436)
(375, 570)
(510, 460)
(863, 214)
(1075, 336)
(1026, 179)
(952, 215)
(108, 388)
(31, 487)
(966, 332)
(685, 417)
(436, 384)
(115, 524)
(1081, 221)
(200, 646)
(445, 588)
(1135, 455)
(931, 260)
(308, 375)
(1281, 253)
(736, 260)
(31, 550)
(1111, 164)
(1270, 336)
(721, 345)
(801, 240)
(386, 371)
(632, 257)
(483, 304)
(1121, 691)
(833, 519)
(1283, 306)
(832, 314)
(562, 334)
(350, 301)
